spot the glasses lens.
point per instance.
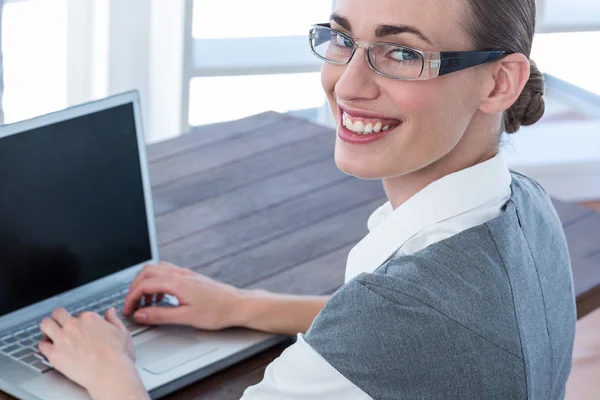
(396, 61)
(331, 45)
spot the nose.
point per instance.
(358, 81)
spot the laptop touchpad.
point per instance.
(169, 351)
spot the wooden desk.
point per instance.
(259, 203)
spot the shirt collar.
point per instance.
(449, 196)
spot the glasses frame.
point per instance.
(434, 63)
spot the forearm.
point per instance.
(126, 385)
(278, 313)
(130, 393)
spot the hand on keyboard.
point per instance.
(203, 303)
(22, 344)
(95, 352)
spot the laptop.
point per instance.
(76, 226)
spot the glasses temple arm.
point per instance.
(456, 61)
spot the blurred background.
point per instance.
(198, 62)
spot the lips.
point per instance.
(356, 112)
(366, 126)
(359, 127)
(366, 122)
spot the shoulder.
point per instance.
(450, 281)
(404, 327)
(532, 219)
(528, 192)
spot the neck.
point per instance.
(401, 188)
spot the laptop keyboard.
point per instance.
(22, 345)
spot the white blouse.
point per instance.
(448, 206)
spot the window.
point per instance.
(34, 43)
(216, 20)
(215, 99)
(566, 42)
(266, 58)
(570, 56)
(568, 15)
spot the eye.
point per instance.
(400, 54)
(340, 40)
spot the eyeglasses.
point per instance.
(393, 60)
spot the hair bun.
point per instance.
(530, 106)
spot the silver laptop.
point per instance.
(76, 226)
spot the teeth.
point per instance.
(360, 127)
(348, 124)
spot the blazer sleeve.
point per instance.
(394, 346)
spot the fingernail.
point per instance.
(141, 316)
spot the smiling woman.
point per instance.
(462, 288)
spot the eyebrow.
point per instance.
(382, 30)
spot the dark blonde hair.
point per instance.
(509, 25)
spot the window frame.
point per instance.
(264, 53)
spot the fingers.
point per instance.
(61, 316)
(161, 315)
(161, 269)
(112, 317)
(153, 271)
(46, 348)
(50, 328)
(148, 271)
(156, 285)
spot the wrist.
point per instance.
(122, 382)
(247, 308)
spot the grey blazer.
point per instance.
(486, 314)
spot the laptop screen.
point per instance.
(72, 206)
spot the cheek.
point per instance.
(435, 121)
(414, 99)
(430, 106)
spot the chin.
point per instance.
(356, 168)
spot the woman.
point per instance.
(462, 288)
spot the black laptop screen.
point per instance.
(72, 206)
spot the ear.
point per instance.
(507, 78)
